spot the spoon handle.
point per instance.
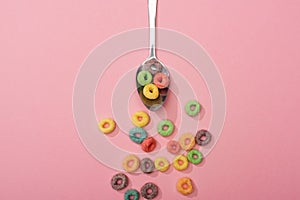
(152, 18)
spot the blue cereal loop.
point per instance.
(133, 135)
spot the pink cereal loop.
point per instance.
(161, 80)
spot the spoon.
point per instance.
(152, 77)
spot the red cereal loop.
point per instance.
(149, 144)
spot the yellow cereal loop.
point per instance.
(150, 91)
(180, 162)
(107, 125)
(131, 163)
(140, 118)
(161, 164)
(187, 141)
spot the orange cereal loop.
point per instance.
(184, 186)
(107, 125)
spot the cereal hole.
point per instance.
(139, 118)
(105, 125)
(195, 156)
(203, 138)
(161, 164)
(187, 141)
(193, 107)
(119, 181)
(151, 145)
(147, 165)
(130, 163)
(149, 191)
(131, 197)
(165, 127)
(180, 162)
(137, 134)
(185, 186)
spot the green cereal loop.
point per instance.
(195, 111)
(168, 131)
(191, 155)
(144, 77)
(134, 193)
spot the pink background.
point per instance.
(255, 45)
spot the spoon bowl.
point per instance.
(152, 77)
(155, 68)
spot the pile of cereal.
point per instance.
(186, 143)
(153, 82)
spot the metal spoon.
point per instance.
(154, 66)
